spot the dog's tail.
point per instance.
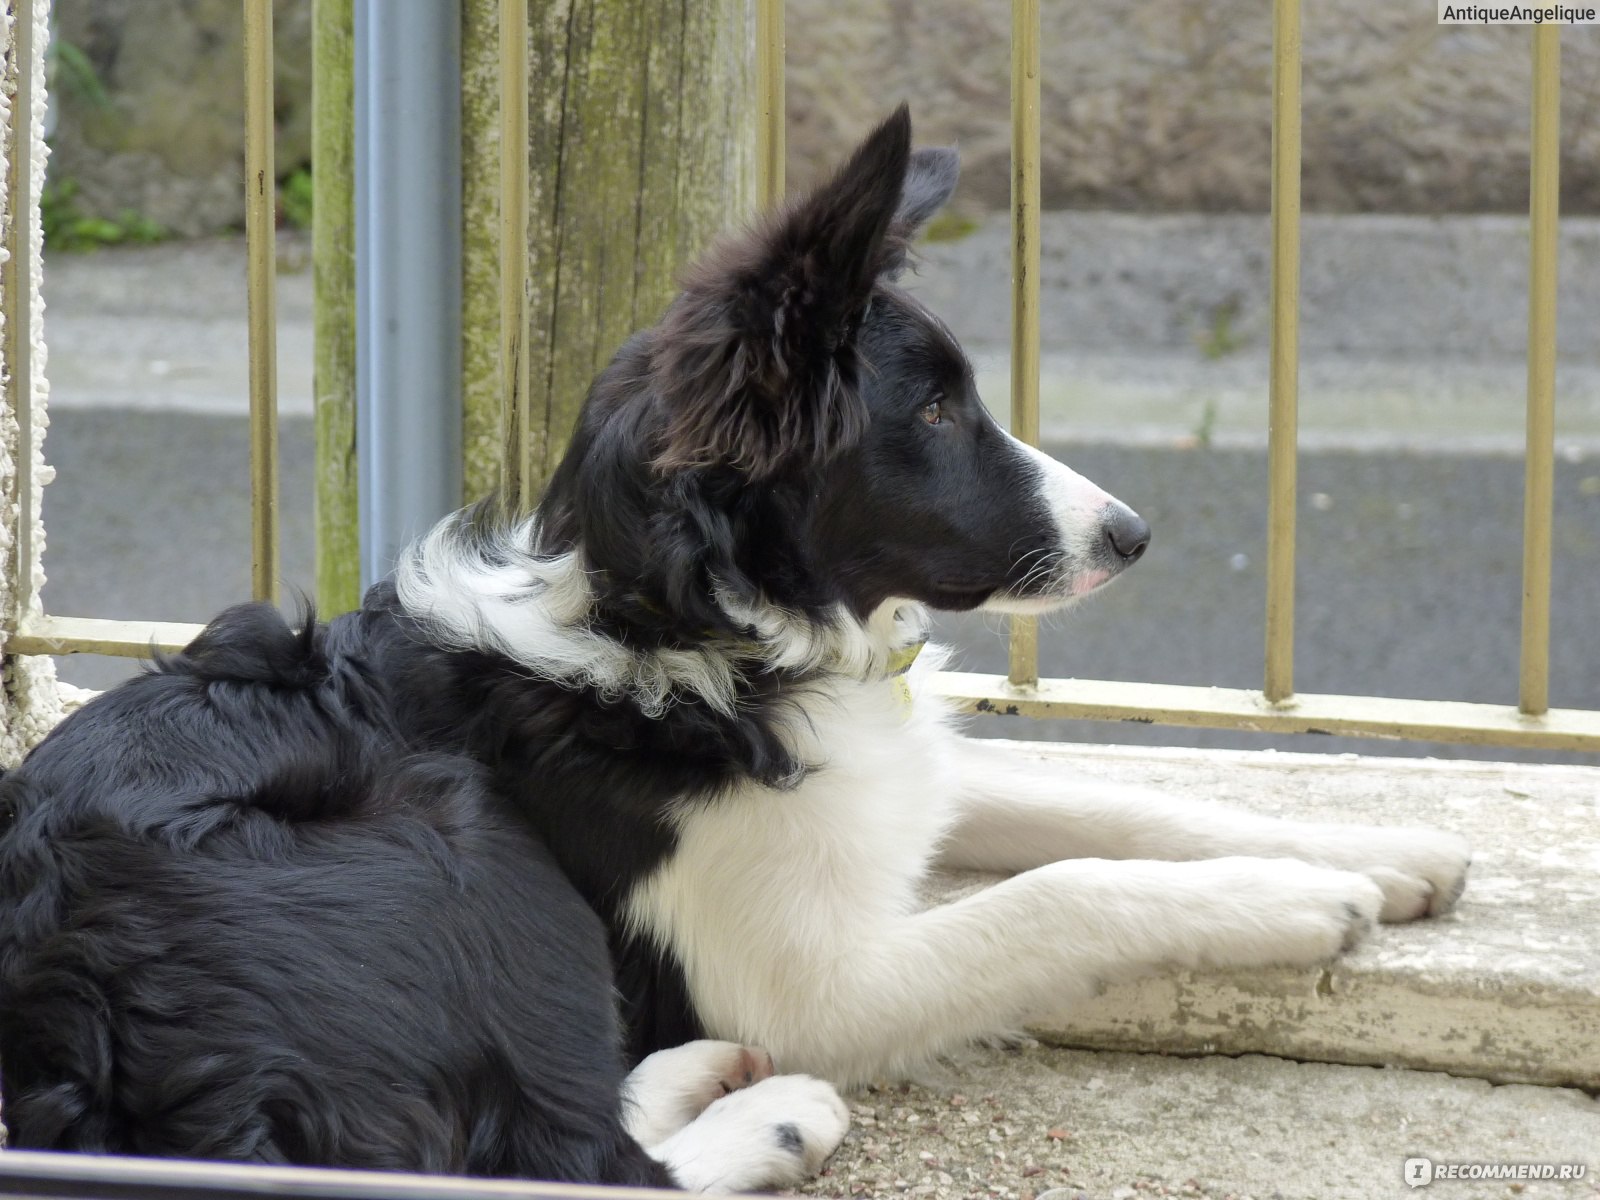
(253, 643)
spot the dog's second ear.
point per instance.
(931, 178)
(756, 362)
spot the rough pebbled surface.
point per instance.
(1015, 1123)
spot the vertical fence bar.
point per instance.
(1283, 414)
(770, 95)
(19, 294)
(259, 214)
(1024, 648)
(514, 382)
(1544, 209)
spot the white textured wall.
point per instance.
(30, 704)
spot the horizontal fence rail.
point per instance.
(1236, 708)
(1275, 709)
(107, 1177)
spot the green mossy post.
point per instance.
(482, 442)
(642, 132)
(333, 238)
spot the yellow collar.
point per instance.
(899, 664)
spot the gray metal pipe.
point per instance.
(408, 271)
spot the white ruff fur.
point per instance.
(493, 593)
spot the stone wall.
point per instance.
(1155, 105)
(166, 140)
(1164, 104)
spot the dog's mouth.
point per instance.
(1044, 581)
(960, 596)
(1051, 591)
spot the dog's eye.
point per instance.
(931, 412)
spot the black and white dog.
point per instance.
(365, 894)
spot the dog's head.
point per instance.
(799, 431)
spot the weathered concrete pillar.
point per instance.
(642, 147)
(30, 704)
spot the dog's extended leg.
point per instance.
(853, 996)
(1017, 814)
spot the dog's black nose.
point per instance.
(1126, 531)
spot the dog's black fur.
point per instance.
(344, 895)
(252, 914)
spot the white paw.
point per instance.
(672, 1087)
(776, 1133)
(1280, 912)
(1422, 871)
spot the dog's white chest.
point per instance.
(762, 880)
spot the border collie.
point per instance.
(367, 894)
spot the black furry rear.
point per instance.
(248, 915)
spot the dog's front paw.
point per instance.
(1279, 912)
(1422, 871)
(776, 1133)
(672, 1087)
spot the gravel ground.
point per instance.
(1038, 1122)
(1003, 1125)
(974, 1134)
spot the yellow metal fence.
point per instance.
(1276, 707)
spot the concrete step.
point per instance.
(1505, 989)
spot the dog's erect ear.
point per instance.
(756, 362)
(930, 179)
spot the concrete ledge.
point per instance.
(1505, 989)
